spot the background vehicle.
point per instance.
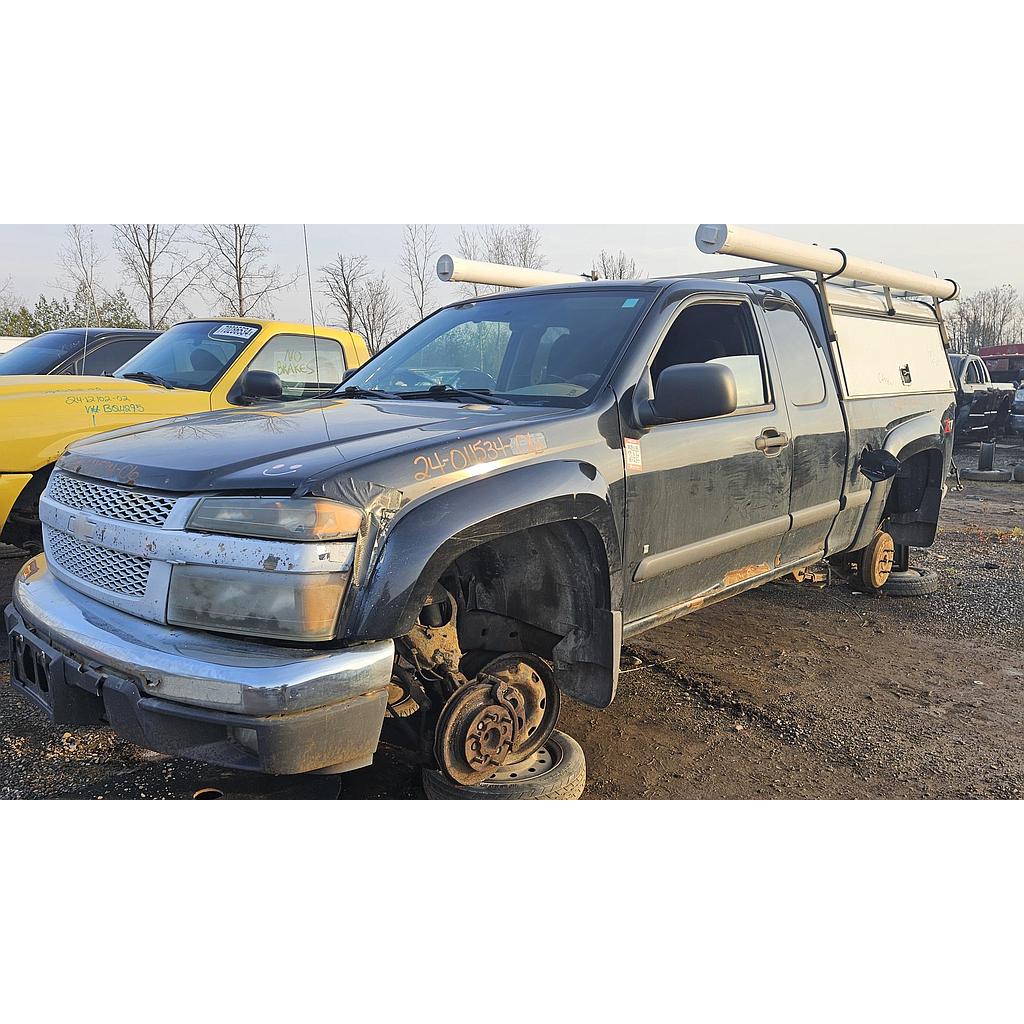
(7, 343)
(193, 367)
(76, 350)
(1005, 363)
(435, 561)
(982, 406)
(1017, 412)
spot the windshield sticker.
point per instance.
(478, 453)
(634, 458)
(630, 303)
(235, 331)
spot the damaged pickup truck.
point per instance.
(473, 522)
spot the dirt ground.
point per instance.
(785, 692)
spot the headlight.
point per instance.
(276, 518)
(284, 605)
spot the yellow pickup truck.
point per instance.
(193, 367)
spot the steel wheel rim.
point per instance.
(543, 761)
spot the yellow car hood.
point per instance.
(40, 416)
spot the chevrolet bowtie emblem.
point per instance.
(82, 528)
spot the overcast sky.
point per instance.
(977, 256)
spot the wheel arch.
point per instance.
(914, 497)
(556, 513)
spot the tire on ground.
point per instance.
(992, 476)
(564, 782)
(912, 583)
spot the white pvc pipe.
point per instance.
(454, 268)
(756, 245)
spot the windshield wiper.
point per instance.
(354, 391)
(149, 378)
(447, 391)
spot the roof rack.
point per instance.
(793, 258)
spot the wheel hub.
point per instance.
(488, 738)
(878, 559)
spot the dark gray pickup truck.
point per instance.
(476, 520)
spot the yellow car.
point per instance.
(196, 366)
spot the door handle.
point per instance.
(771, 441)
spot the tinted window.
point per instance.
(304, 371)
(537, 349)
(798, 357)
(717, 332)
(107, 358)
(973, 376)
(42, 353)
(193, 355)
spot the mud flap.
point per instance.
(587, 662)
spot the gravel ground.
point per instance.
(784, 692)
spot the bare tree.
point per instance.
(419, 256)
(517, 245)
(618, 267)
(159, 267)
(237, 271)
(342, 280)
(80, 261)
(378, 313)
(994, 316)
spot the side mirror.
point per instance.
(693, 391)
(261, 384)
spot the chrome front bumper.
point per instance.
(241, 687)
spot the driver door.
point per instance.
(708, 500)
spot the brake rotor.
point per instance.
(474, 734)
(525, 685)
(877, 561)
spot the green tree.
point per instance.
(53, 314)
(18, 322)
(117, 311)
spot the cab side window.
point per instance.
(718, 332)
(307, 367)
(112, 356)
(797, 355)
(973, 376)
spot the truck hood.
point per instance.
(280, 447)
(62, 384)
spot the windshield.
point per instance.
(42, 353)
(538, 349)
(192, 355)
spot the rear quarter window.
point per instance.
(797, 352)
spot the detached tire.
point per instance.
(557, 771)
(912, 583)
(992, 476)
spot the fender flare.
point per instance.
(423, 541)
(918, 434)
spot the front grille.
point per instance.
(111, 570)
(110, 502)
